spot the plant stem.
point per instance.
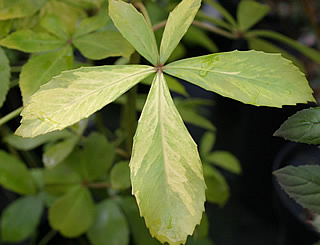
(122, 153)
(97, 185)
(214, 29)
(10, 116)
(47, 237)
(202, 25)
(143, 10)
(159, 25)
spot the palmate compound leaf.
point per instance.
(251, 77)
(75, 95)
(165, 156)
(178, 23)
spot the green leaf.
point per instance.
(309, 52)
(251, 77)
(88, 5)
(43, 67)
(95, 158)
(228, 17)
(197, 37)
(14, 175)
(4, 76)
(177, 25)
(120, 176)
(55, 26)
(100, 45)
(201, 230)
(110, 226)
(19, 8)
(206, 144)
(303, 127)
(135, 29)
(77, 94)
(5, 27)
(262, 45)
(138, 228)
(55, 153)
(249, 13)
(37, 175)
(67, 13)
(29, 41)
(225, 160)
(302, 184)
(25, 144)
(60, 180)
(73, 213)
(166, 157)
(92, 24)
(188, 110)
(21, 218)
(217, 188)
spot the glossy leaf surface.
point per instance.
(249, 13)
(19, 8)
(77, 94)
(73, 213)
(263, 45)
(21, 218)
(43, 67)
(302, 184)
(14, 175)
(251, 77)
(177, 25)
(110, 226)
(4, 76)
(303, 127)
(165, 156)
(100, 45)
(28, 41)
(135, 29)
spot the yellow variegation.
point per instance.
(178, 23)
(75, 95)
(251, 77)
(135, 29)
(166, 172)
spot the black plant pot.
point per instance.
(293, 217)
